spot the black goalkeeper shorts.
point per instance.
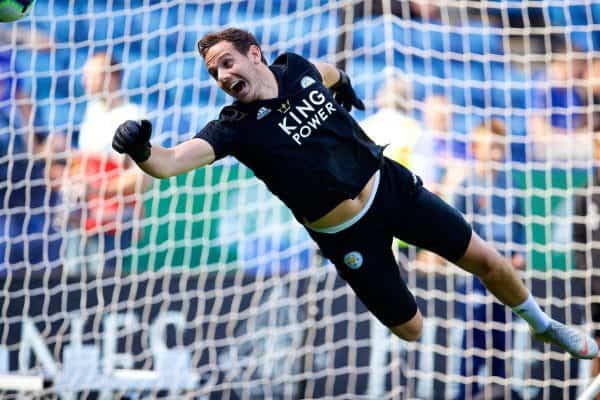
(363, 255)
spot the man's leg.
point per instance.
(428, 222)
(501, 279)
(411, 330)
(495, 271)
(363, 257)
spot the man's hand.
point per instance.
(344, 94)
(133, 138)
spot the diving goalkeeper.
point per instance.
(290, 124)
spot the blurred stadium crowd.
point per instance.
(448, 71)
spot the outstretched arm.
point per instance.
(329, 73)
(166, 162)
(339, 83)
(133, 138)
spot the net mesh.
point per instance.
(209, 288)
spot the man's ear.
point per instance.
(255, 54)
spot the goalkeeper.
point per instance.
(290, 124)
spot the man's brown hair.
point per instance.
(493, 126)
(239, 38)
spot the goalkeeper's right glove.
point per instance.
(344, 93)
(133, 138)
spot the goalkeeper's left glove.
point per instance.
(344, 94)
(133, 138)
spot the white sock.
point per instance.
(531, 312)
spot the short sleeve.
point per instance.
(220, 137)
(298, 66)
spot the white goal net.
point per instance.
(204, 286)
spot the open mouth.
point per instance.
(237, 87)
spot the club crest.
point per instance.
(354, 260)
(306, 82)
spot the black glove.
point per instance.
(133, 138)
(344, 94)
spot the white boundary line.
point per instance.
(23, 383)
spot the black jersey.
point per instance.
(307, 149)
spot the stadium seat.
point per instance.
(579, 18)
(368, 33)
(180, 75)
(61, 116)
(282, 7)
(509, 86)
(569, 15)
(428, 36)
(172, 125)
(285, 33)
(473, 39)
(59, 25)
(43, 74)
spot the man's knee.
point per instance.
(481, 259)
(410, 331)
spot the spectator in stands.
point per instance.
(392, 126)
(448, 168)
(424, 10)
(12, 34)
(485, 199)
(591, 76)
(579, 19)
(27, 236)
(558, 123)
(586, 236)
(406, 142)
(104, 189)
(415, 147)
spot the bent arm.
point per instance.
(166, 162)
(329, 73)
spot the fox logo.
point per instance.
(306, 82)
(353, 260)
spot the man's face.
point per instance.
(235, 73)
(93, 76)
(564, 69)
(597, 148)
(592, 76)
(437, 113)
(97, 78)
(488, 147)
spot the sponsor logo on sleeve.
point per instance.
(262, 112)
